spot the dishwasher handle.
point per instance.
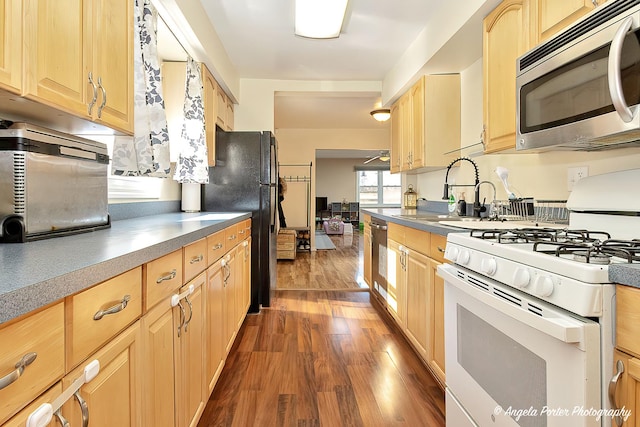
(378, 226)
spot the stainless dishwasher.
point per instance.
(379, 259)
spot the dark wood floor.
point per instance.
(323, 358)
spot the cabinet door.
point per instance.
(113, 397)
(418, 301)
(11, 45)
(246, 277)
(436, 321)
(552, 16)
(367, 252)
(190, 359)
(158, 380)
(505, 38)
(396, 281)
(239, 286)
(112, 62)
(214, 327)
(441, 116)
(210, 104)
(55, 47)
(229, 284)
(396, 138)
(416, 124)
(627, 389)
(405, 133)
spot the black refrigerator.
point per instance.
(245, 179)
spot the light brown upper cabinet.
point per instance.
(551, 16)
(79, 58)
(425, 124)
(11, 45)
(224, 109)
(505, 38)
(210, 104)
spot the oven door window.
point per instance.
(523, 388)
(579, 89)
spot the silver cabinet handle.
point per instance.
(440, 249)
(232, 237)
(182, 317)
(104, 97)
(113, 310)
(217, 246)
(196, 259)
(95, 94)
(186, 323)
(13, 376)
(60, 418)
(83, 408)
(614, 72)
(170, 276)
(613, 384)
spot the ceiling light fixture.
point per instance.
(319, 19)
(381, 115)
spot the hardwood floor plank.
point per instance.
(329, 409)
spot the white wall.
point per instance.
(336, 179)
(542, 176)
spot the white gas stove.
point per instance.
(541, 307)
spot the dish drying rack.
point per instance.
(528, 209)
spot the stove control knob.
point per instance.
(543, 286)
(464, 257)
(488, 266)
(521, 278)
(452, 253)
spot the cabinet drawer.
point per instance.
(230, 237)
(215, 246)
(43, 334)
(628, 319)
(418, 240)
(396, 232)
(195, 259)
(163, 276)
(87, 314)
(244, 229)
(20, 420)
(438, 245)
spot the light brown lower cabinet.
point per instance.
(416, 293)
(627, 389)
(214, 331)
(113, 397)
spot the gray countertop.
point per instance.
(624, 274)
(35, 274)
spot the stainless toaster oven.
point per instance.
(51, 184)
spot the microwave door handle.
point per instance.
(614, 72)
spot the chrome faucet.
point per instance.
(493, 208)
(476, 200)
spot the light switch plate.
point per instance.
(576, 174)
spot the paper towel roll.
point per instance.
(191, 197)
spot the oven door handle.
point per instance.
(567, 329)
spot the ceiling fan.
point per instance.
(383, 156)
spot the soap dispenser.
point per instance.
(451, 205)
(462, 206)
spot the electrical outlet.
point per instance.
(576, 174)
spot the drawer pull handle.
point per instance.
(169, 276)
(12, 377)
(83, 408)
(440, 249)
(186, 323)
(112, 310)
(196, 259)
(613, 384)
(217, 246)
(232, 237)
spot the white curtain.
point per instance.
(147, 154)
(192, 166)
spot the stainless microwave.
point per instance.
(580, 90)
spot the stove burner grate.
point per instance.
(595, 252)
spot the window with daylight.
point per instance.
(379, 188)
